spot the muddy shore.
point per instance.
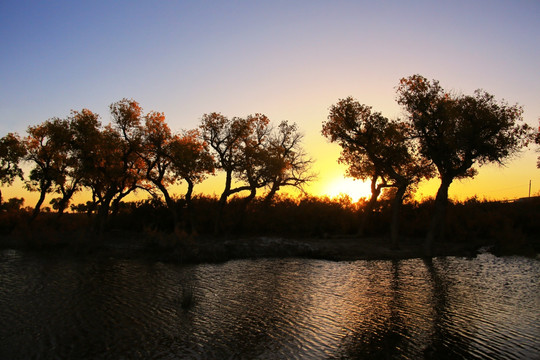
(211, 249)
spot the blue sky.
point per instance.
(290, 60)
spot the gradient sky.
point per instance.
(290, 60)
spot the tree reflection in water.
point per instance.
(294, 308)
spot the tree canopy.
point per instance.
(49, 150)
(249, 151)
(457, 132)
(138, 150)
(449, 133)
(12, 152)
(377, 149)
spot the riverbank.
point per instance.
(339, 248)
(168, 248)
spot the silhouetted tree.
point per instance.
(233, 144)
(350, 122)
(190, 161)
(110, 164)
(87, 136)
(155, 138)
(13, 204)
(287, 163)
(12, 151)
(458, 131)
(171, 158)
(378, 149)
(255, 166)
(48, 147)
(248, 150)
(73, 174)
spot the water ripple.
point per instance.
(486, 307)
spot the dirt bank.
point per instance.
(211, 249)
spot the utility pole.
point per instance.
(530, 188)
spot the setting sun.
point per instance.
(356, 189)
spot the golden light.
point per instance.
(356, 189)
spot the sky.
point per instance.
(290, 60)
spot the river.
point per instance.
(99, 307)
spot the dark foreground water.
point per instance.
(452, 308)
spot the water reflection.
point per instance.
(485, 307)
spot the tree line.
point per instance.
(442, 135)
(138, 151)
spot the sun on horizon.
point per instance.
(355, 189)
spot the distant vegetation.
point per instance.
(512, 227)
(443, 135)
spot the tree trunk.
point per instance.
(396, 210)
(0, 198)
(41, 199)
(118, 199)
(437, 220)
(243, 209)
(115, 206)
(101, 218)
(62, 205)
(171, 205)
(189, 226)
(103, 213)
(270, 196)
(222, 202)
(375, 192)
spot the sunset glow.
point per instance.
(353, 188)
(289, 61)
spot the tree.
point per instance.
(87, 136)
(13, 204)
(377, 149)
(355, 128)
(288, 164)
(456, 132)
(79, 123)
(233, 144)
(248, 150)
(109, 163)
(12, 151)
(255, 162)
(48, 148)
(156, 137)
(170, 158)
(190, 161)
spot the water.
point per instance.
(485, 308)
